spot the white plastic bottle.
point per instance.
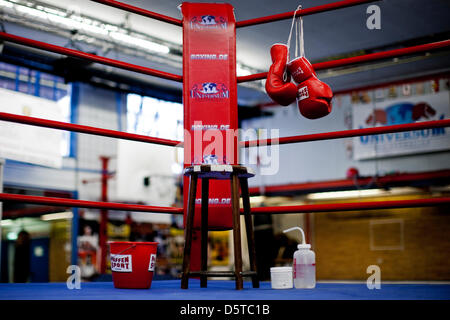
(304, 265)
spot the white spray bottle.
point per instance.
(304, 265)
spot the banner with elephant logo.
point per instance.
(400, 111)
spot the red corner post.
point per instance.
(210, 105)
(103, 237)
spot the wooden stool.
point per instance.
(237, 175)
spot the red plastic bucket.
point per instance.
(132, 264)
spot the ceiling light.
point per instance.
(57, 216)
(53, 11)
(71, 23)
(257, 200)
(58, 17)
(152, 46)
(360, 193)
(32, 12)
(6, 222)
(6, 4)
(11, 236)
(110, 27)
(343, 194)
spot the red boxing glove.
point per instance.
(314, 98)
(279, 90)
(301, 69)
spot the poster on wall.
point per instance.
(88, 249)
(400, 111)
(41, 146)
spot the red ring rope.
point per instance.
(362, 58)
(89, 57)
(87, 204)
(349, 133)
(369, 205)
(85, 129)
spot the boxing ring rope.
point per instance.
(252, 143)
(86, 129)
(384, 182)
(258, 76)
(348, 133)
(87, 204)
(361, 59)
(178, 78)
(332, 207)
(239, 24)
(302, 12)
(140, 11)
(367, 205)
(88, 57)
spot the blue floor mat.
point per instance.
(222, 290)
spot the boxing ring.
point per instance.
(162, 289)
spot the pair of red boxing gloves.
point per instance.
(313, 96)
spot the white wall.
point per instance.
(28, 175)
(97, 108)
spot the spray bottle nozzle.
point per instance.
(303, 245)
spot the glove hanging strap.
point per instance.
(298, 34)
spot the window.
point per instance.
(64, 104)
(156, 118)
(153, 117)
(42, 85)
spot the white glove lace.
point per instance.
(299, 43)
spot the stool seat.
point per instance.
(238, 176)
(219, 171)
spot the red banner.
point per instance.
(210, 101)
